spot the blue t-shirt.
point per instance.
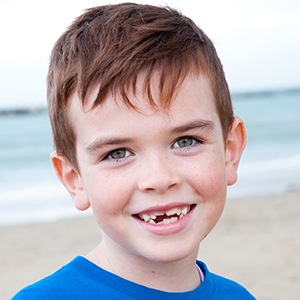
(81, 279)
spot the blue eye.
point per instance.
(186, 142)
(118, 154)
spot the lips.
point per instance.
(165, 217)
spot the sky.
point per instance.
(258, 42)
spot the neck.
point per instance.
(170, 276)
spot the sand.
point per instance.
(257, 243)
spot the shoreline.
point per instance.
(244, 94)
(256, 243)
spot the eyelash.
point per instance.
(108, 156)
(195, 142)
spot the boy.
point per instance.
(145, 134)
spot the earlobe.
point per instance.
(235, 145)
(71, 179)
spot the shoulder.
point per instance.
(70, 282)
(224, 288)
(79, 279)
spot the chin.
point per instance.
(174, 253)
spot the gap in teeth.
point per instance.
(168, 217)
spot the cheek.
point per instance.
(108, 194)
(210, 184)
(210, 174)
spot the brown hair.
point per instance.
(111, 45)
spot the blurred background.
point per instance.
(258, 43)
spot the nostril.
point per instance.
(158, 183)
(156, 173)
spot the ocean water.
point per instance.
(271, 161)
(30, 191)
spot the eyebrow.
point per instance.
(101, 142)
(196, 124)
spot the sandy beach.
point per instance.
(257, 243)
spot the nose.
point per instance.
(157, 174)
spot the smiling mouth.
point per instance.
(165, 217)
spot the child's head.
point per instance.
(144, 130)
(111, 46)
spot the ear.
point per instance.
(71, 179)
(235, 145)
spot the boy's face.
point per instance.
(156, 181)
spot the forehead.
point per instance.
(153, 92)
(192, 96)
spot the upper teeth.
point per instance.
(180, 212)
